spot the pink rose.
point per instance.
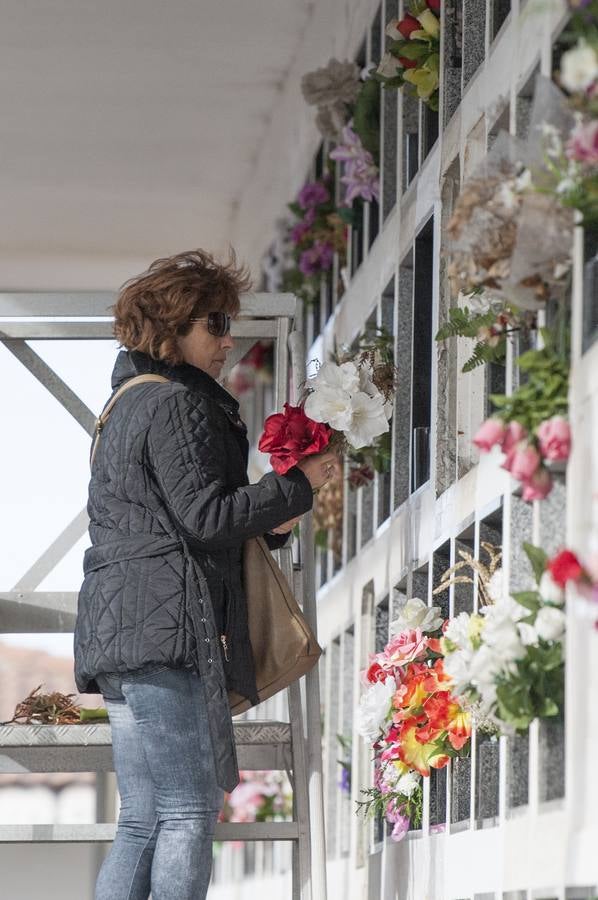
(554, 436)
(514, 433)
(522, 461)
(490, 433)
(538, 486)
(403, 648)
(582, 146)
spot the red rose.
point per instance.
(375, 673)
(290, 436)
(407, 63)
(407, 25)
(565, 567)
(434, 5)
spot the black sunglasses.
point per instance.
(218, 322)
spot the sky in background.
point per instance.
(44, 466)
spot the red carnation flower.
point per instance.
(290, 436)
(565, 567)
(407, 63)
(407, 25)
(434, 5)
(376, 673)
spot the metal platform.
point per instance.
(87, 748)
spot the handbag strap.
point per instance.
(103, 417)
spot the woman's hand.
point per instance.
(320, 468)
(286, 526)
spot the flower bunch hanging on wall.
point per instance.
(509, 235)
(410, 715)
(506, 662)
(413, 58)
(530, 425)
(578, 75)
(346, 405)
(348, 113)
(317, 233)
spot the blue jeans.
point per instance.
(170, 800)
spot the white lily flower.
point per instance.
(368, 422)
(330, 405)
(344, 377)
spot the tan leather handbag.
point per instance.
(283, 644)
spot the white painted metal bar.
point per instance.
(39, 611)
(312, 682)
(69, 329)
(97, 303)
(53, 383)
(104, 832)
(54, 553)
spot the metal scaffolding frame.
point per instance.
(294, 746)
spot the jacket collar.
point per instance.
(130, 363)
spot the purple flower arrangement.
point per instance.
(360, 173)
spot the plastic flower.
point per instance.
(404, 648)
(360, 175)
(550, 591)
(302, 228)
(417, 614)
(401, 29)
(331, 405)
(312, 194)
(389, 65)
(336, 398)
(291, 436)
(579, 67)
(374, 708)
(564, 567)
(554, 436)
(491, 432)
(550, 623)
(538, 486)
(418, 756)
(368, 421)
(582, 145)
(514, 433)
(429, 23)
(522, 461)
(317, 258)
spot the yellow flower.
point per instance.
(429, 23)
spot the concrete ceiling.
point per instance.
(130, 127)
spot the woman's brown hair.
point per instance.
(155, 308)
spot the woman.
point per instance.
(162, 624)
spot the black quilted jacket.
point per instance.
(169, 509)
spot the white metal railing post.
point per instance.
(312, 693)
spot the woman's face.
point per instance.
(205, 350)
